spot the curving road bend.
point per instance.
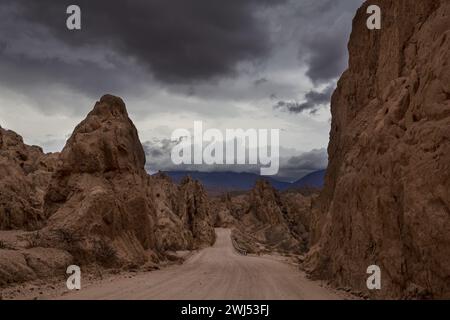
(216, 272)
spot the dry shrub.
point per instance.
(34, 240)
(3, 245)
(105, 253)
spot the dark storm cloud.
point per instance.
(323, 31)
(127, 47)
(260, 81)
(158, 152)
(328, 57)
(321, 28)
(293, 168)
(313, 160)
(219, 60)
(28, 73)
(177, 40)
(314, 100)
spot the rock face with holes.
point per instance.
(387, 194)
(25, 172)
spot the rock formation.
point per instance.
(223, 213)
(184, 214)
(100, 189)
(32, 263)
(387, 194)
(194, 210)
(101, 192)
(93, 203)
(268, 221)
(24, 175)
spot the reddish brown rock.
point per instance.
(29, 264)
(267, 221)
(194, 210)
(100, 205)
(299, 213)
(24, 175)
(101, 195)
(222, 213)
(387, 194)
(184, 214)
(170, 233)
(99, 188)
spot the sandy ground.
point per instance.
(217, 272)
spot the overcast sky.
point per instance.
(232, 64)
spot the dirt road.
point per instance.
(217, 272)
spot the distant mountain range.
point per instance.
(218, 182)
(315, 179)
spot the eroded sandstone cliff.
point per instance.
(101, 192)
(25, 172)
(93, 203)
(387, 194)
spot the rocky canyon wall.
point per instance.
(386, 199)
